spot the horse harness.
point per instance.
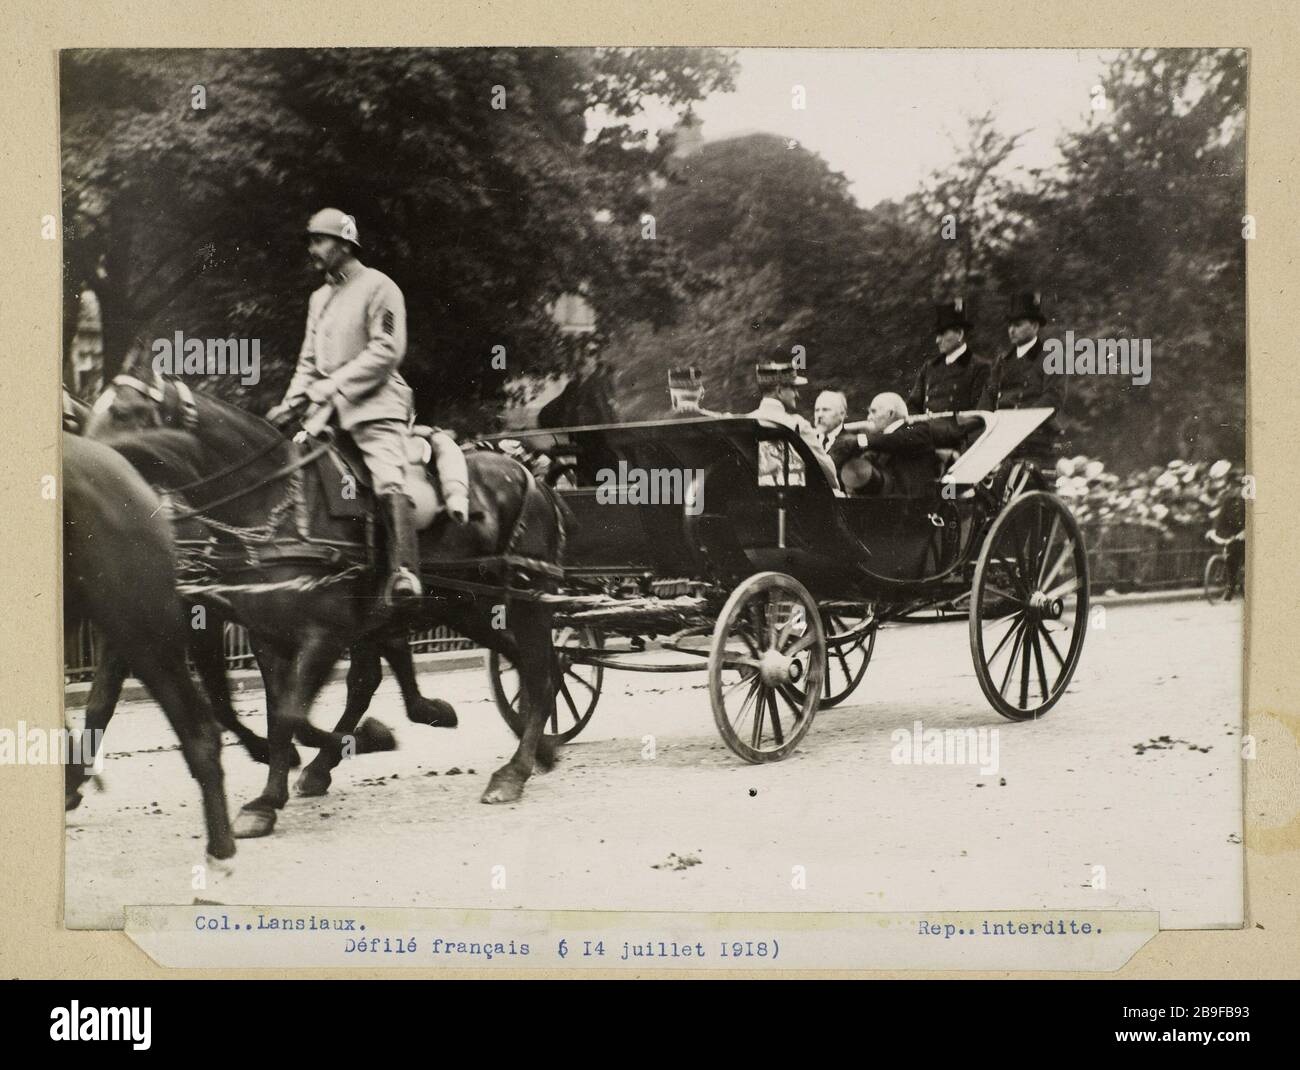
(202, 560)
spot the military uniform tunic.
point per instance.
(355, 340)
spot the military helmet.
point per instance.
(335, 224)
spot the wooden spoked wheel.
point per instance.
(577, 685)
(850, 642)
(1029, 606)
(767, 667)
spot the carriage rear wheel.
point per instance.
(850, 642)
(767, 666)
(577, 685)
(1029, 606)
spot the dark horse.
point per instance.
(119, 573)
(291, 588)
(208, 657)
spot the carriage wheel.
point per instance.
(1216, 578)
(850, 642)
(767, 642)
(577, 686)
(1029, 606)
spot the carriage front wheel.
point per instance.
(1029, 606)
(767, 665)
(577, 684)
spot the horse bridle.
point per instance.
(189, 409)
(189, 421)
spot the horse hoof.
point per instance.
(250, 824)
(311, 783)
(433, 712)
(71, 801)
(374, 736)
(502, 790)
(220, 865)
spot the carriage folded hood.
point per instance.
(1004, 430)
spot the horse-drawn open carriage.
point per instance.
(714, 544)
(719, 545)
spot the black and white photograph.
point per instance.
(658, 479)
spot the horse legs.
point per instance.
(110, 675)
(292, 685)
(364, 676)
(200, 738)
(207, 650)
(433, 712)
(257, 818)
(533, 658)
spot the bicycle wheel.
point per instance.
(1216, 578)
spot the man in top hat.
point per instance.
(954, 379)
(780, 384)
(355, 339)
(1018, 380)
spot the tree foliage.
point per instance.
(192, 219)
(1136, 234)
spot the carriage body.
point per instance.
(681, 524)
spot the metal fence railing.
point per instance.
(1122, 558)
(81, 648)
(1130, 557)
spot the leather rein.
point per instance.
(189, 421)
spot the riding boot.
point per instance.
(403, 585)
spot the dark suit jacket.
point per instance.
(905, 457)
(944, 387)
(1020, 383)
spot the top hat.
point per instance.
(950, 315)
(1027, 306)
(778, 373)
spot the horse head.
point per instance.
(140, 399)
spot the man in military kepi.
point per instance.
(1019, 381)
(355, 340)
(780, 384)
(685, 390)
(954, 379)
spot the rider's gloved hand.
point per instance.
(315, 422)
(286, 415)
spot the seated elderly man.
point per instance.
(829, 413)
(891, 456)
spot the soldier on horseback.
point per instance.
(355, 340)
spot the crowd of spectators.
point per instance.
(1183, 497)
